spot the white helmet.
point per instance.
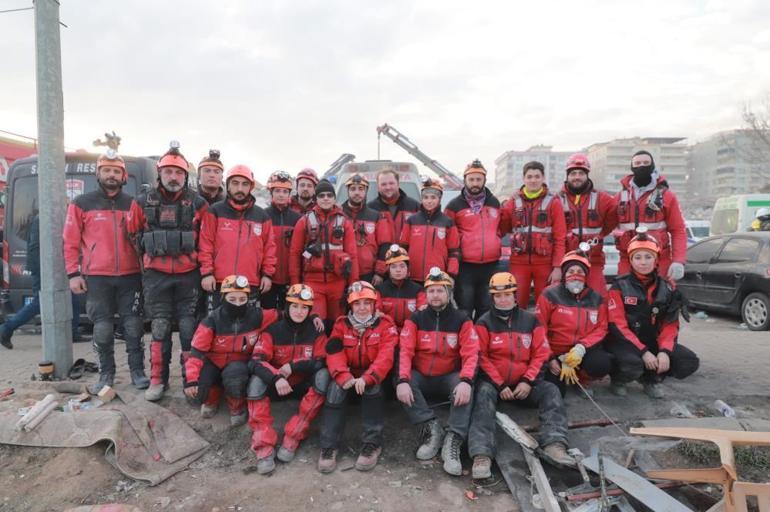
(763, 212)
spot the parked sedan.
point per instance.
(731, 273)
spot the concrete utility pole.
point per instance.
(55, 304)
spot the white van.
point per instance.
(733, 214)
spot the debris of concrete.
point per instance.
(724, 409)
(107, 394)
(700, 315)
(36, 410)
(680, 411)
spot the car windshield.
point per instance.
(700, 231)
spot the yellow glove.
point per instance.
(575, 356)
(568, 374)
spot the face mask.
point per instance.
(575, 286)
(362, 320)
(642, 174)
(235, 311)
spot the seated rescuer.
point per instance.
(400, 295)
(644, 311)
(359, 357)
(288, 360)
(575, 318)
(438, 355)
(513, 350)
(221, 349)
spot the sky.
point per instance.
(291, 84)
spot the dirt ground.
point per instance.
(733, 368)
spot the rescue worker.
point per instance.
(644, 311)
(283, 219)
(102, 263)
(575, 319)
(761, 220)
(590, 215)
(221, 349)
(399, 295)
(645, 200)
(168, 226)
(513, 350)
(288, 360)
(392, 201)
(438, 355)
(535, 220)
(323, 254)
(210, 173)
(359, 356)
(237, 238)
(372, 230)
(430, 237)
(304, 200)
(476, 213)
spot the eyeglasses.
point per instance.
(325, 195)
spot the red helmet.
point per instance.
(112, 159)
(173, 158)
(361, 290)
(579, 256)
(279, 179)
(578, 161)
(242, 171)
(643, 242)
(308, 174)
(474, 166)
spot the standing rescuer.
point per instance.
(359, 357)
(210, 172)
(400, 296)
(373, 231)
(590, 215)
(438, 355)
(513, 350)
(323, 254)
(392, 201)
(169, 222)
(102, 262)
(476, 212)
(304, 200)
(536, 223)
(644, 311)
(283, 219)
(646, 201)
(237, 237)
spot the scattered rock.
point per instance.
(164, 502)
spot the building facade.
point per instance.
(509, 165)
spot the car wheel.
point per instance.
(756, 311)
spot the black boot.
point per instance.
(136, 367)
(105, 379)
(5, 338)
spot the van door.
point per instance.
(699, 257)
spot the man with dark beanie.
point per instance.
(645, 200)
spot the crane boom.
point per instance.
(402, 140)
(335, 167)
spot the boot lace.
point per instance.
(368, 449)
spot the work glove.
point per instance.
(676, 271)
(575, 356)
(568, 374)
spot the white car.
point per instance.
(611, 258)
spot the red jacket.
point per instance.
(645, 315)
(185, 199)
(321, 246)
(222, 339)
(236, 239)
(479, 238)
(589, 217)
(302, 210)
(437, 343)
(514, 350)
(400, 300)
(658, 209)
(537, 228)
(283, 221)
(432, 241)
(570, 320)
(368, 354)
(373, 236)
(299, 345)
(396, 214)
(97, 235)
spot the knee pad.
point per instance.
(335, 396)
(161, 328)
(133, 327)
(321, 381)
(235, 376)
(187, 326)
(256, 389)
(373, 391)
(103, 334)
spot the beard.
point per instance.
(173, 186)
(110, 184)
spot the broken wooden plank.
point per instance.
(515, 431)
(34, 411)
(636, 486)
(547, 497)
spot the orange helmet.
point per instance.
(474, 166)
(308, 174)
(300, 294)
(579, 256)
(502, 282)
(361, 290)
(173, 158)
(643, 242)
(396, 253)
(578, 161)
(212, 160)
(241, 171)
(357, 179)
(111, 158)
(437, 276)
(279, 179)
(235, 283)
(435, 184)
